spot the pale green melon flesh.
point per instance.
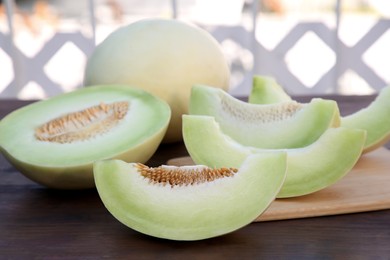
(190, 212)
(266, 90)
(69, 165)
(374, 118)
(309, 169)
(265, 126)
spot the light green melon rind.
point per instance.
(375, 119)
(191, 212)
(309, 169)
(245, 122)
(265, 90)
(69, 166)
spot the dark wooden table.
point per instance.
(36, 223)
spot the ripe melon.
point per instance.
(374, 118)
(265, 90)
(56, 141)
(163, 57)
(189, 202)
(309, 169)
(283, 125)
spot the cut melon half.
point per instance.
(56, 141)
(189, 202)
(309, 169)
(374, 119)
(283, 125)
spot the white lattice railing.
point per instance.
(311, 57)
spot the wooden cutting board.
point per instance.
(365, 188)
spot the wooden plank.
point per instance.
(365, 188)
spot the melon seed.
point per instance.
(183, 176)
(84, 124)
(267, 114)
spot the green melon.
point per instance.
(56, 141)
(164, 57)
(262, 93)
(265, 90)
(374, 118)
(309, 169)
(189, 202)
(283, 125)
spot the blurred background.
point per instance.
(309, 46)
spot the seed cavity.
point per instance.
(83, 125)
(264, 113)
(183, 176)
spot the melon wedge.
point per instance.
(56, 141)
(265, 90)
(283, 125)
(374, 119)
(309, 169)
(189, 211)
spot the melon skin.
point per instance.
(70, 166)
(264, 126)
(190, 212)
(309, 169)
(163, 57)
(80, 176)
(374, 118)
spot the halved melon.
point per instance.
(284, 125)
(189, 202)
(56, 141)
(374, 118)
(309, 169)
(265, 90)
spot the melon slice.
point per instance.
(374, 118)
(56, 141)
(284, 125)
(266, 90)
(309, 169)
(189, 202)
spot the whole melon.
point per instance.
(164, 57)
